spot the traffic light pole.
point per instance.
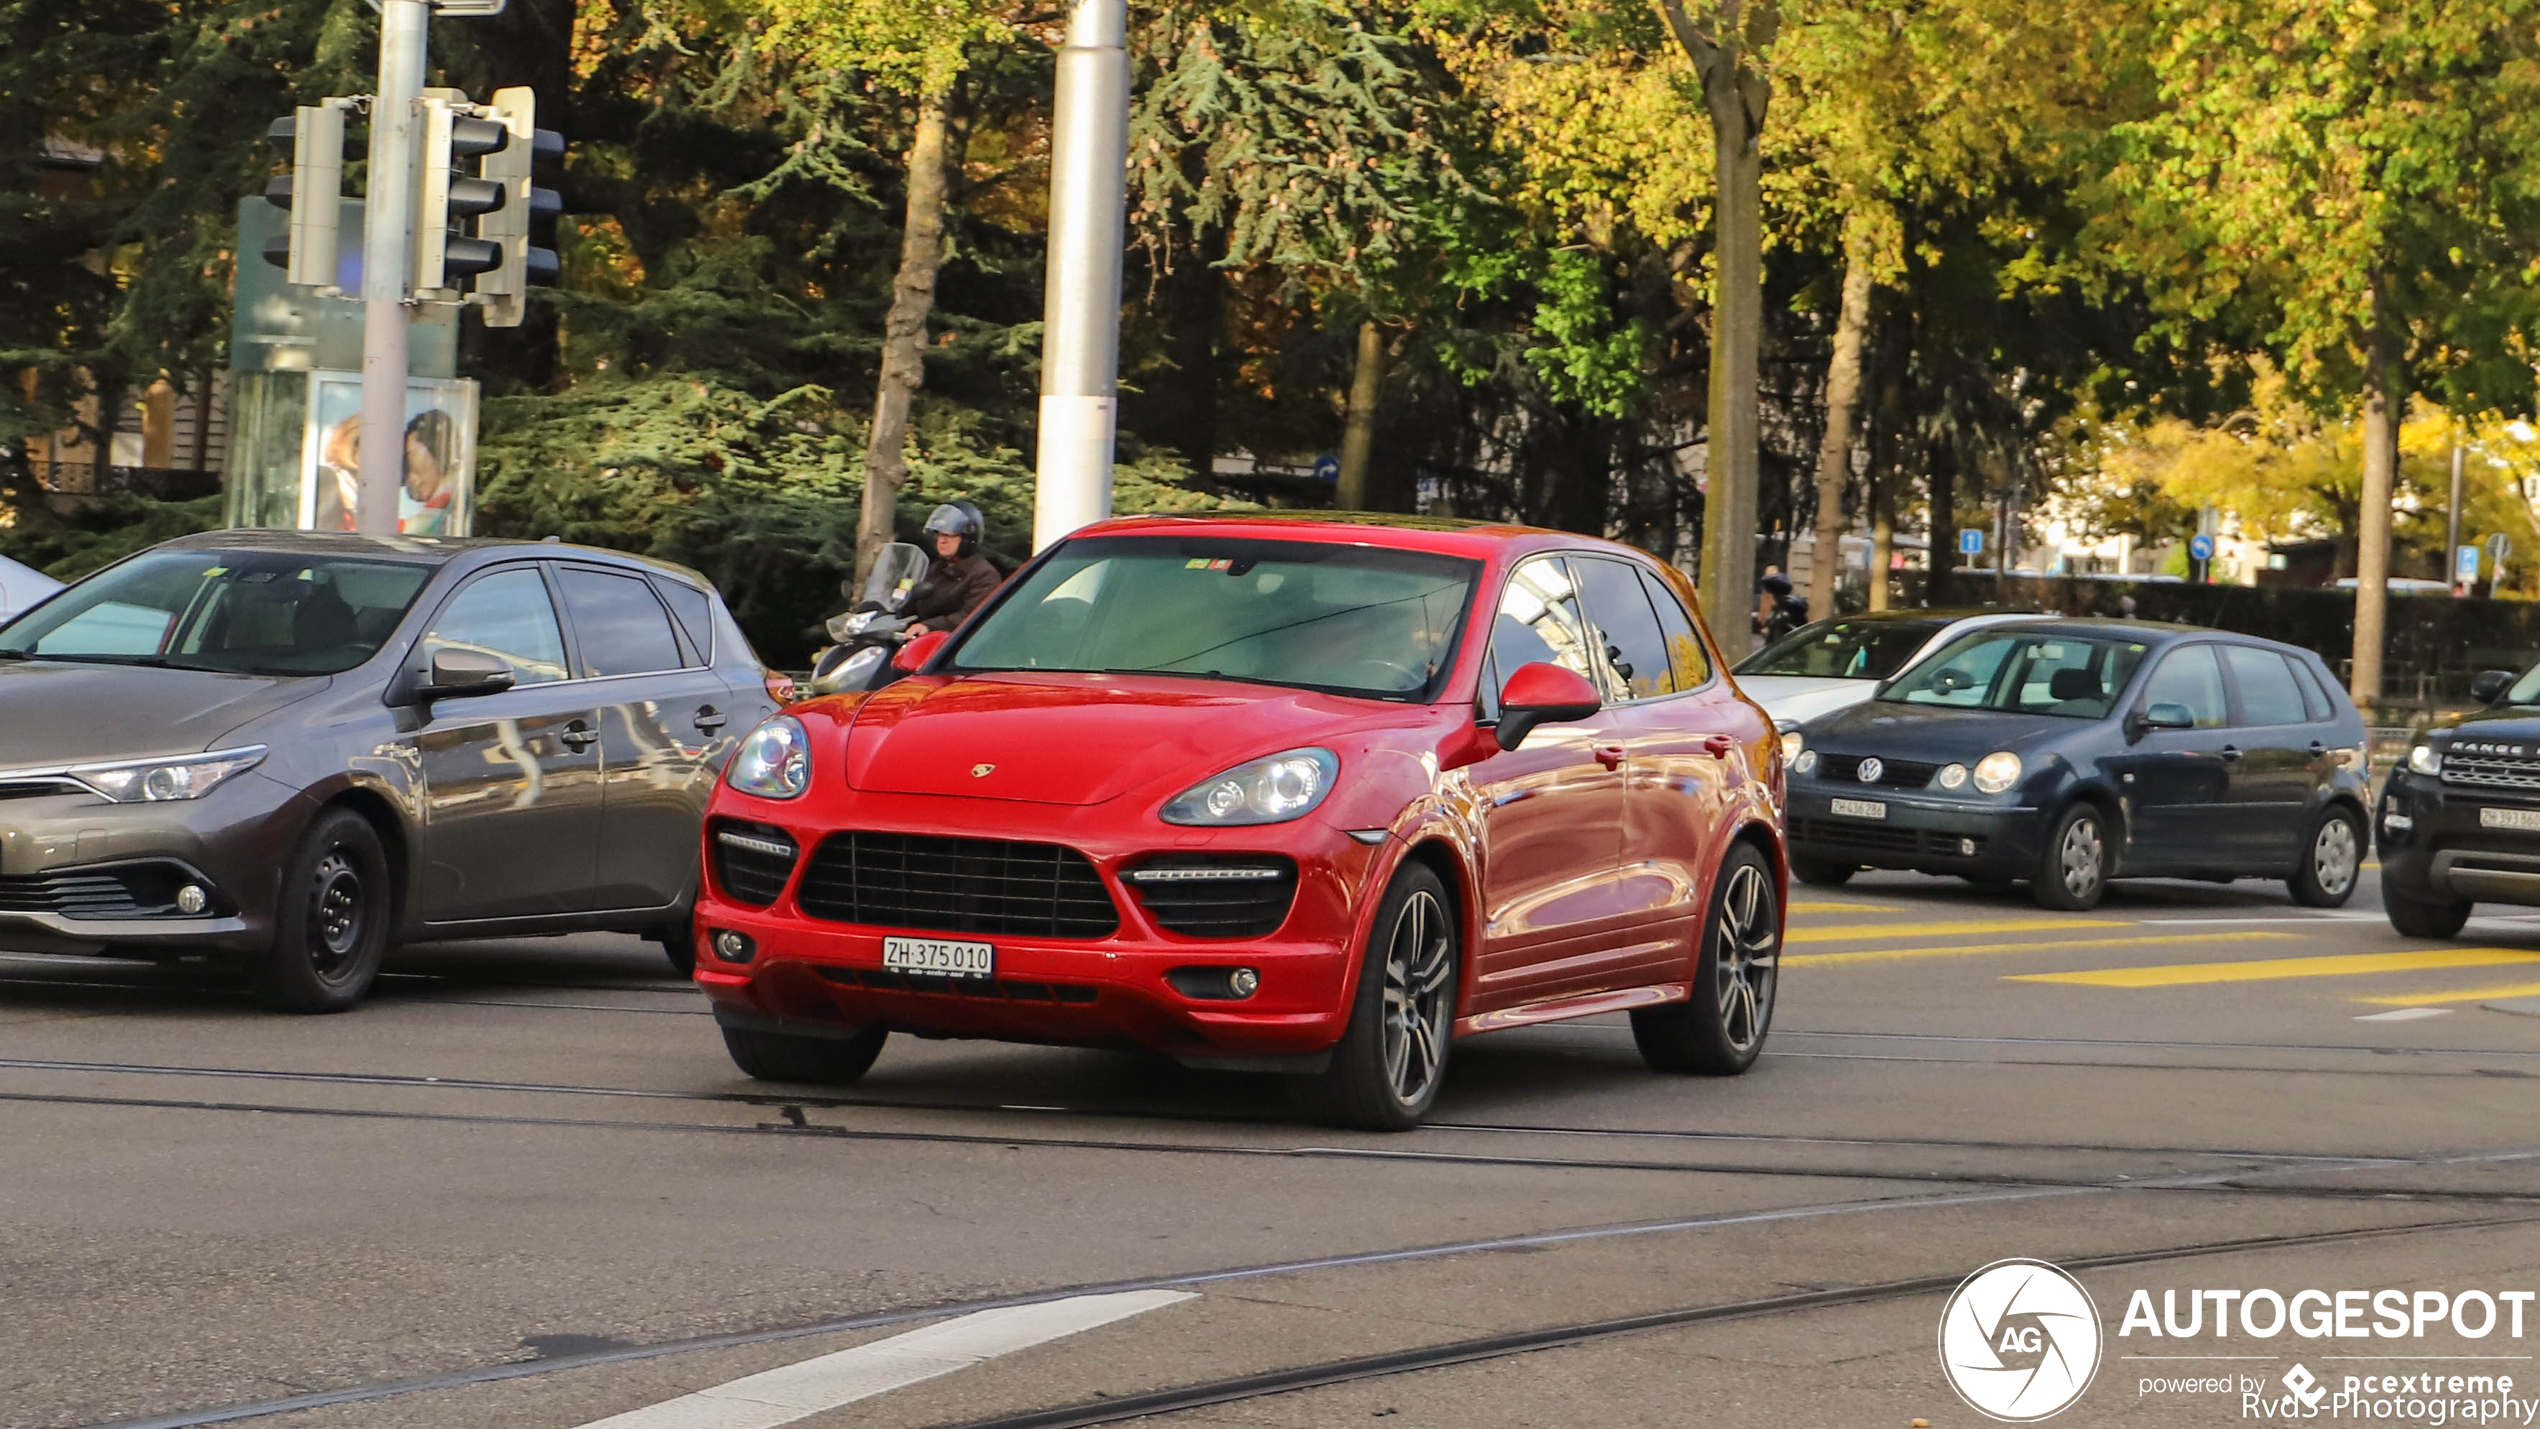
(387, 217)
(1080, 342)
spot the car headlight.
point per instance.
(1997, 771)
(2425, 759)
(1792, 742)
(1953, 776)
(153, 781)
(1806, 763)
(1266, 791)
(774, 762)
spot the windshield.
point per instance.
(2023, 672)
(1842, 649)
(248, 612)
(1351, 619)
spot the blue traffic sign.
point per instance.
(1970, 541)
(2201, 547)
(1327, 468)
(2465, 564)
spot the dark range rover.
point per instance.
(2460, 817)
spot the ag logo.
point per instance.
(2019, 1341)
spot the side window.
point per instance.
(2268, 694)
(621, 628)
(2323, 705)
(505, 614)
(1538, 622)
(1685, 654)
(2191, 677)
(695, 612)
(1635, 651)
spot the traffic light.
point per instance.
(312, 192)
(449, 196)
(532, 152)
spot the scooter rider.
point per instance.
(960, 579)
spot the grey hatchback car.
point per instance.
(285, 751)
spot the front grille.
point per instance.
(141, 890)
(752, 861)
(947, 885)
(988, 989)
(1216, 896)
(2490, 771)
(1895, 773)
(1869, 837)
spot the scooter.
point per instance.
(873, 628)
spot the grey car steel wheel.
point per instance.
(337, 915)
(1745, 950)
(2083, 857)
(2335, 857)
(1419, 963)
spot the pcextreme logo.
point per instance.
(2019, 1341)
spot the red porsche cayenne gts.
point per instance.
(1306, 796)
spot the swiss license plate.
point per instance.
(1860, 808)
(2527, 820)
(934, 957)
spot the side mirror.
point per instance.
(459, 674)
(1542, 694)
(912, 657)
(2160, 716)
(2489, 686)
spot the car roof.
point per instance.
(430, 550)
(2151, 631)
(1477, 540)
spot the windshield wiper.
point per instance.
(9, 654)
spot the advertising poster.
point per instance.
(440, 466)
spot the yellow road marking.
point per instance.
(2472, 994)
(2341, 965)
(1890, 955)
(1813, 905)
(1945, 930)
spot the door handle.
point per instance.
(1610, 755)
(2231, 754)
(580, 736)
(710, 719)
(1719, 746)
(2318, 749)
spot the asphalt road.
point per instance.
(524, 1187)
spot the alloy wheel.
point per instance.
(2335, 856)
(1745, 950)
(337, 913)
(1419, 962)
(2082, 857)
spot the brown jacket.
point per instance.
(953, 589)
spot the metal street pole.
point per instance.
(387, 215)
(1080, 340)
(2452, 524)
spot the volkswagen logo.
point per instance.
(1871, 769)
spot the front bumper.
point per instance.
(812, 973)
(2434, 847)
(63, 858)
(1921, 833)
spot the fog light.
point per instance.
(1243, 982)
(733, 947)
(192, 899)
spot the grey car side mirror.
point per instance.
(2160, 716)
(459, 673)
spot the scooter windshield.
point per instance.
(896, 572)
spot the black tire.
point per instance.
(813, 1061)
(331, 920)
(679, 944)
(2072, 870)
(1720, 1030)
(2332, 860)
(2423, 917)
(1822, 873)
(1389, 1065)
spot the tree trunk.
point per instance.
(1941, 523)
(1736, 92)
(1843, 401)
(1886, 443)
(904, 331)
(1360, 430)
(2385, 394)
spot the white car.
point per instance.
(22, 586)
(1833, 664)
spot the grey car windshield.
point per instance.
(247, 612)
(1842, 649)
(1355, 620)
(2023, 672)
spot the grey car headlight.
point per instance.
(2425, 759)
(774, 762)
(1272, 790)
(155, 781)
(1997, 771)
(1792, 742)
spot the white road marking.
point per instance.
(2404, 1014)
(798, 1391)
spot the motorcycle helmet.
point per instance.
(959, 518)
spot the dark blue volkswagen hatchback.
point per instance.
(2071, 752)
